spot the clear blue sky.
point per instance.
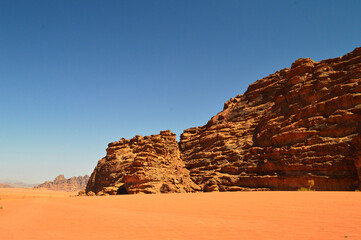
(76, 75)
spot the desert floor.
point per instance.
(41, 214)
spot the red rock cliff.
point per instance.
(149, 164)
(293, 126)
(299, 127)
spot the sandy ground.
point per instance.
(40, 214)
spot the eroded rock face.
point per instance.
(149, 164)
(60, 183)
(293, 126)
(299, 127)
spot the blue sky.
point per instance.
(76, 75)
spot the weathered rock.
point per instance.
(296, 125)
(90, 194)
(82, 193)
(148, 164)
(60, 183)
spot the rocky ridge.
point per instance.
(60, 183)
(298, 126)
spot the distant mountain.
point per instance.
(15, 184)
(5, 186)
(60, 183)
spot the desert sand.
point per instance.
(44, 214)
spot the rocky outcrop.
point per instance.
(5, 186)
(299, 127)
(296, 125)
(60, 183)
(149, 164)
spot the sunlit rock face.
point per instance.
(149, 164)
(296, 125)
(297, 128)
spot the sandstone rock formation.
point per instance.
(60, 183)
(293, 126)
(296, 127)
(149, 164)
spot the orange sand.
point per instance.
(40, 214)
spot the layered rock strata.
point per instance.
(149, 164)
(299, 127)
(296, 125)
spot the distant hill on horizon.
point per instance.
(5, 186)
(60, 183)
(6, 183)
